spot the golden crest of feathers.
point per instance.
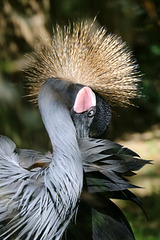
(82, 54)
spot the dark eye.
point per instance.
(91, 112)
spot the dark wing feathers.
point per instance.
(106, 166)
(109, 223)
(100, 216)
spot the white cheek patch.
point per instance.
(85, 100)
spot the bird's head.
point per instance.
(90, 112)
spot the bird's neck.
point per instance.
(58, 123)
(66, 162)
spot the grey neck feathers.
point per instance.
(58, 123)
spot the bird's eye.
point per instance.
(91, 112)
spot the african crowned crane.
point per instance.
(39, 194)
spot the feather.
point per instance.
(85, 54)
(104, 180)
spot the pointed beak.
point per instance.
(82, 124)
(82, 131)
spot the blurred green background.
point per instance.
(23, 22)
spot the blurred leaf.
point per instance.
(155, 50)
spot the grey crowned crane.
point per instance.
(77, 76)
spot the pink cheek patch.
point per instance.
(85, 100)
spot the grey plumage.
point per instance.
(39, 194)
(41, 201)
(105, 164)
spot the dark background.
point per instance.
(23, 22)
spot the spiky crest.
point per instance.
(82, 54)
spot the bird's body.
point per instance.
(28, 208)
(39, 194)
